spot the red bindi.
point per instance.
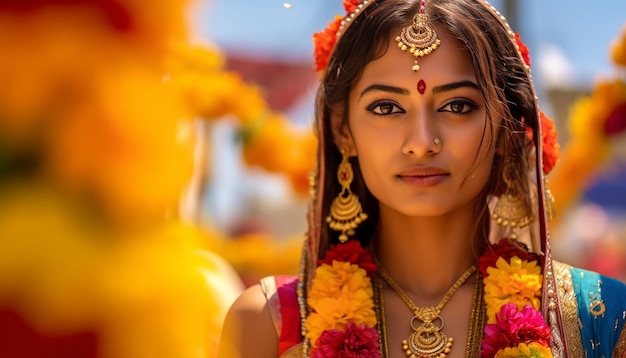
(421, 86)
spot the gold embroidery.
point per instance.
(620, 348)
(293, 352)
(569, 309)
(597, 308)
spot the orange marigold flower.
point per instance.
(618, 49)
(324, 42)
(339, 280)
(551, 147)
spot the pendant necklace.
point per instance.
(427, 339)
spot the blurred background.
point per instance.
(154, 160)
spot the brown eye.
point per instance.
(459, 106)
(384, 108)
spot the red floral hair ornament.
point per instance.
(551, 147)
(324, 41)
(523, 49)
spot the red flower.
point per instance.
(351, 5)
(616, 122)
(523, 49)
(505, 249)
(354, 342)
(324, 42)
(513, 327)
(551, 148)
(351, 252)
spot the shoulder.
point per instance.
(248, 328)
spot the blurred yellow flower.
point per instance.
(116, 146)
(278, 146)
(146, 293)
(618, 48)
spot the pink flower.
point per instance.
(513, 327)
(354, 342)
(352, 252)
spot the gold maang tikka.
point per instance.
(419, 38)
(510, 210)
(346, 212)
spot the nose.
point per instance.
(421, 138)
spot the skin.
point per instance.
(426, 192)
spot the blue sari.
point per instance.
(594, 311)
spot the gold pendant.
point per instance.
(427, 341)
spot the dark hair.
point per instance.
(501, 74)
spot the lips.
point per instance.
(423, 176)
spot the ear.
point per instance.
(341, 131)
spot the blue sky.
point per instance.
(578, 30)
(568, 39)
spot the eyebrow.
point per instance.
(385, 88)
(435, 90)
(455, 85)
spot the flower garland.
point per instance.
(515, 327)
(343, 319)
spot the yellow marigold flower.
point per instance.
(532, 350)
(518, 282)
(334, 313)
(341, 293)
(341, 280)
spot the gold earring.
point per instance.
(510, 210)
(346, 212)
(550, 203)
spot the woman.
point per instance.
(427, 231)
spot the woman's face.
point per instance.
(396, 114)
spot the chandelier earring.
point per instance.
(346, 212)
(550, 202)
(510, 210)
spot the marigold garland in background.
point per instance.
(595, 123)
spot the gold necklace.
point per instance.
(427, 340)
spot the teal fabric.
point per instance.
(596, 293)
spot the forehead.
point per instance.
(451, 61)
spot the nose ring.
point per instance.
(437, 141)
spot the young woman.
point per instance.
(427, 229)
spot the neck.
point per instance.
(426, 255)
